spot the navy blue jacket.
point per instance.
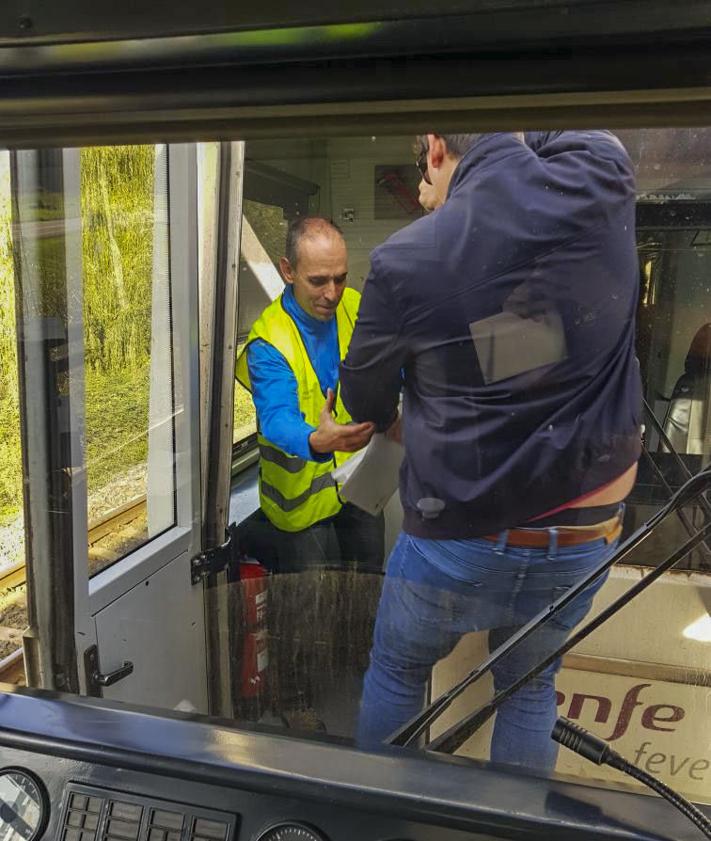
(507, 317)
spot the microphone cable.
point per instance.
(577, 739)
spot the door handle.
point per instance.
(95, 679)
(111, 678)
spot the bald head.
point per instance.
(315, 265)
(308, 228)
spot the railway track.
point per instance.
(109, 539)
(12, 577)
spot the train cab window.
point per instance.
(307, 625)
(299, 623)
(673, 313)
(128, 346)
(12, 535)
(268, 225)
(271, 197)
(263, 233)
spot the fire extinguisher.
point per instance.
(255, 651)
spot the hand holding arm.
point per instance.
(330, 436)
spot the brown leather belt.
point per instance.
(608, 531)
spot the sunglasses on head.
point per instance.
(421, 164)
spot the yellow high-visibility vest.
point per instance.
(295, 493)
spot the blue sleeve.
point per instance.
(276, 400)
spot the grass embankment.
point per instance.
(119, 223)
(118, 422)
(10, 455)
(117, 217)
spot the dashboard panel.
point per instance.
(109, 772)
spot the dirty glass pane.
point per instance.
(263, 237)
(307, 602)
(358, 594)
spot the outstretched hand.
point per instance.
(330, 436)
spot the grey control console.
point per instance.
(75, 769)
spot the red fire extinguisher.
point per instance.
(255, 652)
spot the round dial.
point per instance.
(291, 832)
(23, 806)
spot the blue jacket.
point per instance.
(274, 389)
(511, 311)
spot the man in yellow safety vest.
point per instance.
(290, 364)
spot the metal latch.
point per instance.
(95, 680)
(214, 560)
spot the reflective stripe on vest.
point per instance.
(294, 493)
(292, 464)
(318, 484)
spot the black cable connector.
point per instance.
(577, 739)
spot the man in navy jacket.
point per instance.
(506, 319)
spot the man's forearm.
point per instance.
(367, 398)
(371, 372)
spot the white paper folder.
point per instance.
(371, 477)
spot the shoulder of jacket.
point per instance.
(408, 243)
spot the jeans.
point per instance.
(437, 590)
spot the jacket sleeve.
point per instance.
(371, 373)
(276, 399)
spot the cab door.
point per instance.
(106, 244)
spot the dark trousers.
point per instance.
(321, 615)
(351, 539)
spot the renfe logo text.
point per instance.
(652, 716)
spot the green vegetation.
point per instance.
(10, 456)
(117, 254)
(117, 214)
(117, 423)
(245, 415)
(269, 225)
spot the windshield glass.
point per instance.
(516, 325)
